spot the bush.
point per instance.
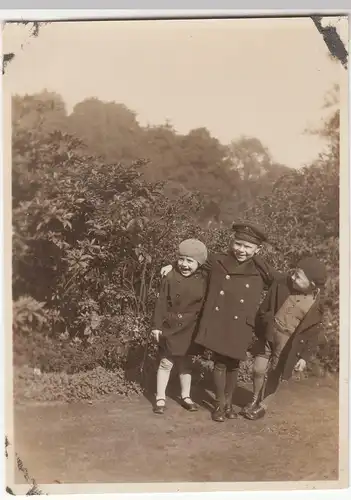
(90, 240)
(109, 347)
(88, 385)
(28, 315)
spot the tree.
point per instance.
(251, 161)
(249, 158)
(45, 111)
(34, 118)
(109, 129)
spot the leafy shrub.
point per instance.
(88, 385)
(107, 348)
(28, 315)
(90, 240)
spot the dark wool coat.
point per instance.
(177, 311)
(233, 297)
(303, 341)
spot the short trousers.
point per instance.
(270, 349)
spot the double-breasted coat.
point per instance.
(303, 341)
(234, 293)
(177, 311)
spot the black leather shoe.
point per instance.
(230, 412)
(218, 414)
(250, 406)
(159, 409)
(256, 413)
(189, 405)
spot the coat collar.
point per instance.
(232, 266)
(312, 317)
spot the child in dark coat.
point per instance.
(287, 326)
(177, 311)
(226, 326)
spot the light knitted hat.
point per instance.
(194, 249)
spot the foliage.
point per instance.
(196, 161)
(60, 386)
(28, 315)
(89, 240)
(108, 348)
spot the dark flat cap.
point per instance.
(314, 269)
(247, 231)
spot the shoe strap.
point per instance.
(190, 401)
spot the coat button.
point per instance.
(301, 341)
(247, 285)
(221, 292)
(217, 308)
(180, 316)
(227, 277)
(241, 301)
(178, 295)
(180, 324)
(236, 317)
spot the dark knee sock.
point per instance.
(219, 377)
(230, 385)
(272, 382)
(259, 376)
(258, 383)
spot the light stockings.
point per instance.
(164, 372)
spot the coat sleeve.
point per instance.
(207, 267)
(268, 272)
(311, 338)
(161, 305)
(265, 314)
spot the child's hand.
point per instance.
(165, 270)
(155, 334)
(300, 365)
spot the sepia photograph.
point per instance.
(176, 288)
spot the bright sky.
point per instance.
(261, 77)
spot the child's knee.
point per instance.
(260, 365)
(166, 364)
(224, 363)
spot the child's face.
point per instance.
(187, 265)
(300, 281)
(244, 250)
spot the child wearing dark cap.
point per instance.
(177, 311)
(236, 281)
(287, 328)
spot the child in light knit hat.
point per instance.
(177, 311)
